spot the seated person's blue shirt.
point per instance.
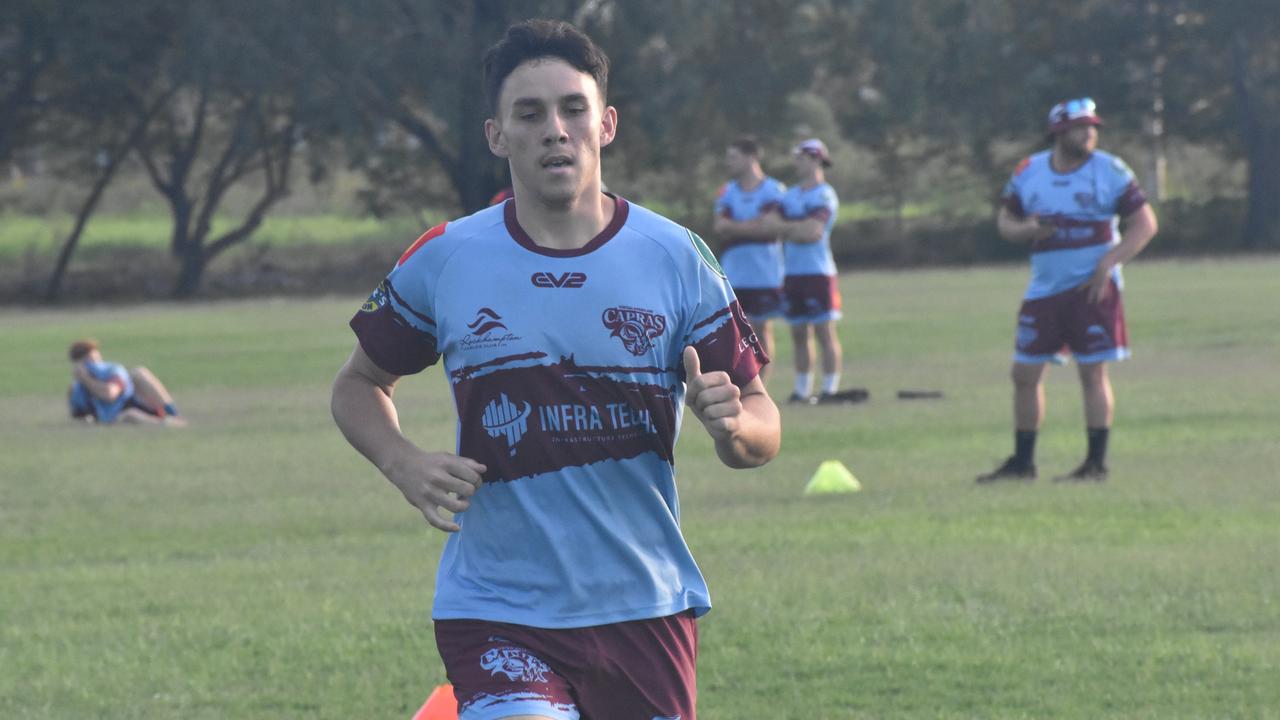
(83, 403)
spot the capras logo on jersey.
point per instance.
(562, 280)
(636, 327)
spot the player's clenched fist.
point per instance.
(430, 481)
(712, 396)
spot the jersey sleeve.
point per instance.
(821, 206)
(396, 326)
(1124, 188)
(1011, 196)
(717, 327)
(722, 202)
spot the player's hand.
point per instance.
(431, 481)
(1099, 286)
(722, 225)
(713, 397)
(1035, 230)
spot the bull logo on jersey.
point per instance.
(635, 327)
(516, 663)
(502, 418)
(376, 299)
(1086, 200)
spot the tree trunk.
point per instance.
(1262, 220)
(190, 274)
(54, 287)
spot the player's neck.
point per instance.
(812, 180)
(565, 228)
(750, 180)
(1065, 162)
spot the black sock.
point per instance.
(1024, 447)
(1098, 445)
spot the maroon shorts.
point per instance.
(811, 298)
(760, 303)
(1094, 332)
(637, 670)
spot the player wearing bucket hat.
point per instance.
(804, 220)
(816, 149)
(1068, 204)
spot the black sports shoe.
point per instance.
(798, 399)
(1087, 472)
(1010, 470)
(841, 397)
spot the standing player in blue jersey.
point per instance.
(750, 251)
(1067, 204)
(572, 326)
(812, 292)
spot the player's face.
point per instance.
(551, 125)
(736, 164)
(1079, 141)
(805, 164)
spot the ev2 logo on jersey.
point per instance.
(563, 280)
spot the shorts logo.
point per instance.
(376, 299)
(1027, 332)
(635, 327)
(502, 417)
(563, 280)
(516, 663)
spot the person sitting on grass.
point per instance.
(106, 392)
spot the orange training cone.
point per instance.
(441, 705)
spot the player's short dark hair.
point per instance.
(81, 348)
(540, 38)
(747, 145)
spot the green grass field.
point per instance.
(253, 566)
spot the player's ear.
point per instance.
(608, 125)
(497, 140)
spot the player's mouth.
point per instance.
(557, 162)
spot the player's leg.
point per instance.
(1028, 395)
(1028, 414)
(1099, 407)
(802, 352)
(1097, 336)
(1038, 341)
(151, 392)
(831, 355)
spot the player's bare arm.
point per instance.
(107, 390)
(743, 422)
(1026, 229)
(755, 228)
(804, 230)
(1140, 227)
(363, 408)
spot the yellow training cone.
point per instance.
(832, 477)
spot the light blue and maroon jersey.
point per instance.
(818, 202)
(84, 403)
(1085, 205)
(751, 262)
(567, 377)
